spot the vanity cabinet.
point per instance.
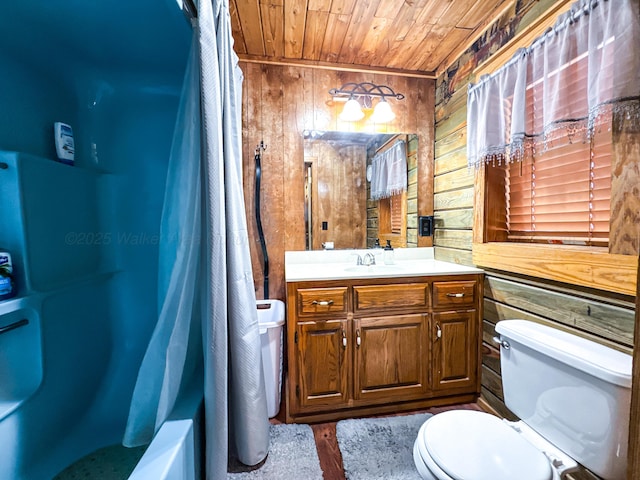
(453, 352)
(388, 358)
(380, 345)
(455, 330)
(322, 383)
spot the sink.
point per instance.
(373, 269)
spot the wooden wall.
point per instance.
(279, 103)
(603, 316)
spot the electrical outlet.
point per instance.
(425, 226)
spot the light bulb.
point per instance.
(382, 113)
(352, 112)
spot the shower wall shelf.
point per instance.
(52, 221)
(52, 215)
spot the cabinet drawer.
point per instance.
(381, 297)
(447, 294)
(314, 301)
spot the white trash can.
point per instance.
(271, 321)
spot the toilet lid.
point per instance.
(475, 445)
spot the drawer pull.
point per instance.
(358, 340)
(344, 339)
(455, 295)
(438, 331)
(322, 303)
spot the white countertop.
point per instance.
(341, 265)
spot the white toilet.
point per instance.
(573, 397)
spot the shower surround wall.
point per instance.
(84, 238)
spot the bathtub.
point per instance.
(69, 346)
(175, 451)
(76, 332)
(84, 237)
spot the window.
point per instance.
(392, 216)
(544, 136)
(561, 196)
(389, 188)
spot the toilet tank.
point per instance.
(574, 392)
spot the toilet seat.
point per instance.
(466, 444)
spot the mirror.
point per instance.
(339, 212)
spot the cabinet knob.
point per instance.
(438, 331)
(358, 340)
(344, 339)
(455, 295)
(322, 303)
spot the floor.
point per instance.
(327, 445)
(117, 462)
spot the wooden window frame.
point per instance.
(592, 267)
(384, 221)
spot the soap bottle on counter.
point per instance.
(388, 255)
(7, 285)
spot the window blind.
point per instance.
(391, 214)
(396, 202)
(560, 193)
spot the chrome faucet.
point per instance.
(368, 259)
(358, 258)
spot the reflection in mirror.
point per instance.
(339, 210)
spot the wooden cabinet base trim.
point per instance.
(380, 409)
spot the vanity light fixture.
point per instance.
(361, 95)
(352, 111)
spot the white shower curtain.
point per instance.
(233, 382)
(206, 293)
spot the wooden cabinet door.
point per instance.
(390, 358)
(454, 350)
(323, 364)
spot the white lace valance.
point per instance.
(389, 172)
(575, 78)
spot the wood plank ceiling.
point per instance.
(419, 36)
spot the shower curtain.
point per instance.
(233, 334)
(206, 293)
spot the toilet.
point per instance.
(572, 396)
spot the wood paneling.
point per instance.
(460, 239)
(407, 36)
(248, 15)
(625, 188)
(572, 265)
(294, 28)
(633, 466)
(453, 180)
(273, 29)
(462, 198)
(454, 255)
(594, 316)
(279, 104)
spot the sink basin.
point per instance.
(373, 269)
